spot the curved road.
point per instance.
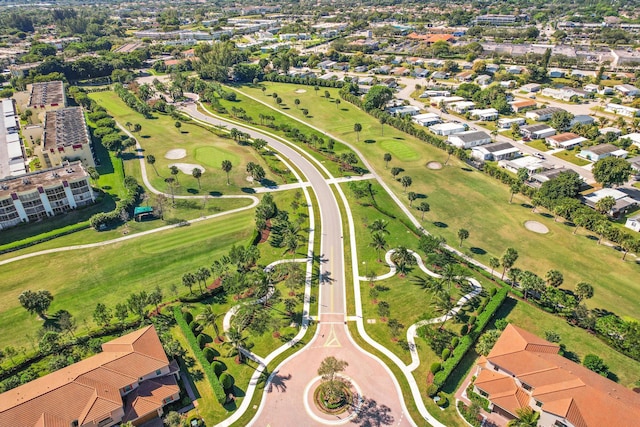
(287, 402)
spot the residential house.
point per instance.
(384, 69)
(326, 65)
(361, 69)
(539, 131)
(601, 151)
(404, 110)
(540, 177)
(606, 90)
(496, 151)
(555, 73)
(519, 106)
(515, 69)
(444, 129)
(542, 114)
(567, 140)
(414, 60)
(633, 222)
(420, 73)
(582, 73)
(634, 137)
(530, 163)
(461, 107)
(447, 100)
(622, 110)
(483, 80)
(368, 81)
(469, 139)
(464, 76)
(467, 65)
(432, 93)
(582, 119)
(507, 123)
(440, 75)
(400, 71)
(624, 202)
(496, 19)
(130, 380)
(485, 114)
(591, 88)
(627, 90)
(635, 166)
(605, 131)
(427, 119)
(341, 66)
(531, 88)
(492, 68)
(508, 84)
(525, 371)
(328, 76)
(390, 83)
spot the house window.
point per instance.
(526, 386)
(167, 400)
(105, 422)
(158, 372)
(483, 393)
(538, 403)
(127, 388)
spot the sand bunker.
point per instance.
(187, 167)
(176, 153)
(300, 91)
(434, 165)
(536, 227)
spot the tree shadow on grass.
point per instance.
(477, 251)
(369, 141)
(192, 191)
(526, 205)
(467, 169)
(546, 215)
(372, 414)
(248, 190)
(440, 224)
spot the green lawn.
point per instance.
(79, 279)
(203, 148)
(570, 156)
(464, 198)
(577, 341)
(538, 144)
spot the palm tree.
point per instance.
(201, 275)
(463, 234)
(515, 188)
(451, 273)
(601, 227)
(424, 207)
(442, 304)
(209, 317)
(226, 167)
(357, 128)
(197, 173)
(406, 182)
(151, 159)
(554, 278)
(583, 290)
(402, 258)
(387, 158)
(378, 242)
(411, 196)
(428, 284)
(189, 279)
(128, 125)
(236, 342)
(379, 226)
(175, 171)
(527, 417)
(395, 172)
(494, 262)
(337, 101)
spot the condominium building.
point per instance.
(130, 380)
(11, 154)
(496, 20)
(65, 138)
(47, 96)
(42, 194)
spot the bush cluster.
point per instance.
(209, 371)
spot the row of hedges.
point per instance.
(44, 237)
(132, 101)
(309, 81)
(217, 388)
(126, 203)
(467, 341)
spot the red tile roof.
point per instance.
(87, 391)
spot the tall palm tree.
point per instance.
(357, 128)
(189, 279)
(236, 343)
(209, 317)
(378, 242)
(201, 275)
(443, 305)
(452, 273)
(402, 258)
(197, 173)
(175, 171)
(423, 207)
(379, 226)
(151, 159)
(387, 158)
(226, 167)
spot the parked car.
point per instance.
(539, 155)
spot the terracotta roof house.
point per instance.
(518, 106)
(566, 140)
(523, 370)
(131, 380)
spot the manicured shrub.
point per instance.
(492, 292)
(464, 329)
(218, 391)
(435, 367)
(227, 381)
(454, 342)
(432, 390)
(188, 317)
(194, 326)
(202, 341)
(209, 353)
(444, 400)
(218, 367)
(446, 353)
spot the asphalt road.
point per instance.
(289, 401)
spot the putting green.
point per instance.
(213, 156)
(400, 150)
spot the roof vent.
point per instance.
(26, 181)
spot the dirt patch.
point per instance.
(176, 154)
(300, 91)
(216, 284)
(264, 234)
(434, 165)
(187, 168)
(536, 227)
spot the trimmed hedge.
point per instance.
(218, 367)
(218, 391)
(467, 341)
